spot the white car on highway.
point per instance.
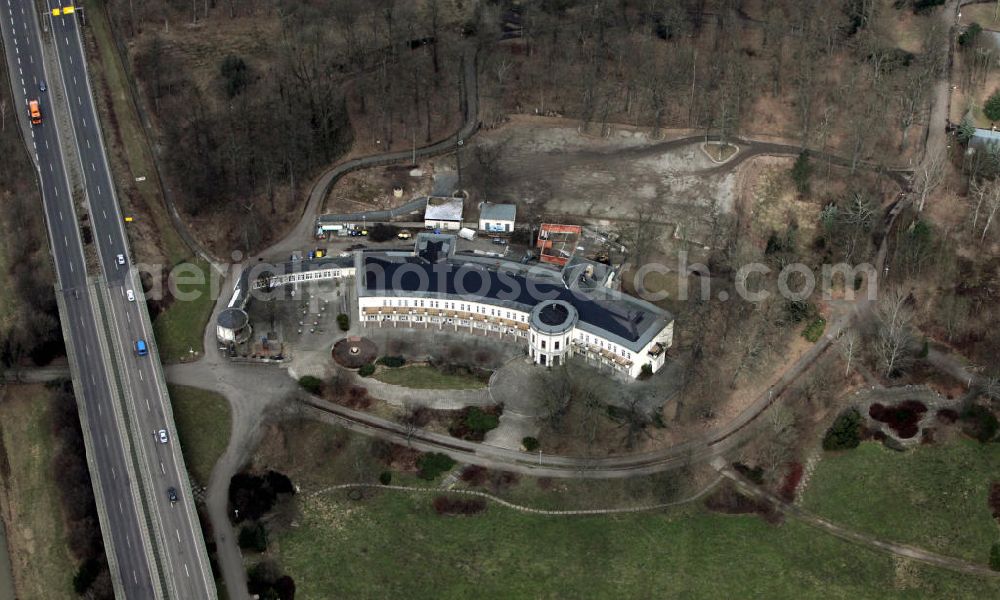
(162, 434)
(130, 295)
(121, 259)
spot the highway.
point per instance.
(177, 530)
(104, 326)
(109, 469)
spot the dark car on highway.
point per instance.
(172, 494)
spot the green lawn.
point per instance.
(427, 378)
(394, 545)
(932, 496)
(203, 421)
(36, 532)
(180, 327)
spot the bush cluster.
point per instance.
(366, 370)
(845, 433)
(253, 537)
(814, 330)
(313, 385)
(433, 464)
(392, 361)
(444, 505)
(343, 321)
(251, 496)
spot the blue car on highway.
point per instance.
(140, 348)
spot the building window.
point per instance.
(557, 345)
(543, 344)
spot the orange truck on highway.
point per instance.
(35, 112)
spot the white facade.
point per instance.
(497, 218)
(443, 213)
(548, 343)
(550, 349)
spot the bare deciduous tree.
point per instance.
(849, 345)
(893, 337)
(929, 175)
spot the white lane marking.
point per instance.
(88, 143)
(109, 238)
(186, 570)
(178, 532)
(149, 409)
(78, 101)
(98, 190)
(46, 144)
(120, 509)
(134, 578)
(114, 473)
(31, 59)
(70, 267)
(74, 80)
(56, 190)
(140, 376)
(129, 317)
(162, 470)
(100, 411)
(67, 39)
(84, 121)
(106, 441)
(92, 167)
(60, 216)
(128, 541)
(93, 381)
(105, 213)
(50, 167)
(65, 241)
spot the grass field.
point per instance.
(428, 378)
(43, 567)
(395, 545)
(180, 328)
(203, 422)
(932, 496)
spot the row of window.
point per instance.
(296, 277)
(462, 306)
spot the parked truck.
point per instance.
(35, 112)
(466, 233)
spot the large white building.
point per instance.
(432, 287)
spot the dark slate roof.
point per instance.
(232, 318)
(624, 317)
(498, 212)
